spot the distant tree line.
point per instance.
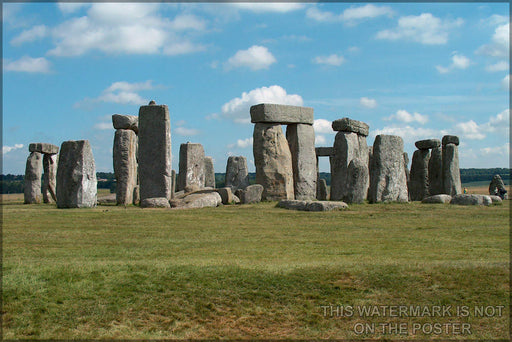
(11, 184)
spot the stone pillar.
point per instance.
(49, 177)
(209, 172)
(322, 192)
(191, 172)
(237, 174)
(125, 165)
(418, 182)
(349, 144)
(321, 188)
(76, 176)
(435, 177)
(387, 179)
(451, 173)
(301, 140)
(406, 166)
(154, 153)
(33, 172)
(173, 183)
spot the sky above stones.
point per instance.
(414, 70)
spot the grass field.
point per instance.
(252, 271)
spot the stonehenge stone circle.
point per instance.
(76, 176)
(33, 172)
(435, 172)
(387, 173)
(191, 165)
(125, 165)
(282, 114)
(301, 140)
(154, 152)
(321, 192)
(451, 173)
(349, 125)
(44, 148)
(209, 172)
(418, 181)
(126, 122)
(237, 174)
(427, 144)
(273, 160)
(49, 177)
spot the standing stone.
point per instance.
(387, 178)
(209, 172)
(154, 152)
(125, 165)
(237, 174)
(358, 180)
(173, 183)
(497, 187)
(347, 147)
(273, 160)
(418, 183)
(451, 172)
(49, 177)
(321, 190)
(33, 172)
(191, 166)
(76, 176)
(301, 140)
(406, 165)
(435, 176)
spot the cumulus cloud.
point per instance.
(367, 102)
(28, 64)
(242, 143)
(350, 16)
(30, 35)
(499, 45)
(470, 130)
(255, 58)
(424, 28)
(498, 124)
(408, 133)
(261, 7)
(183, 131)
(335, 60)
(7, 149)
(503, 150)
(322, 126)
(404, 116)
(103, 126)
(238, 108)
(458, 62)
(320, 139)
(120, 93)
(499, 66)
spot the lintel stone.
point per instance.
(44, 148)
(283, 114)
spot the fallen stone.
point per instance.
(209, 172)
(451, 173)
(450, 139)
(107, 199)
(324, 151)
(292, 204)
(32, 184)
(282, 114)
(437, 199)
(197, 200)
(237, 174)
(349, 125)
(43, 148)
(155, 202)
(326, 206)
(273, 160)
(76, 176)
(126, 122)
(236, 200)
(496, 199)
(301, 140)
(49, 178)
(251, 194)
(466, 199)
(427, 144)
(322, 192)
(125, 165)
(418, 179)
(435, 172)
(225, 194)
(191, 164)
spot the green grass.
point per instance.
(251, 271)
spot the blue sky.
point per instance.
(414, 70)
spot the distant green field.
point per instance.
(252, 271)
(482, 184)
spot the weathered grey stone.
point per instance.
(418, 182)
(292, 204)
(358, 179)
(76, 176)
(442, 198)
(32, 184)
(126, 122)
(236, 200)
(237, 174)
(435, 172)
(349, 125)
(497, 187)
(283, 114)
(466, 199)
(155, 202)
(427, 144)
(451, 173)
(324, 151)
(301, 140)
(43, 148)
(191, 166)
(387, 178)
(192, 188)
(251, 194)
(49, 178)
(107, 199)
(450, 139)
(496, 199)
(273, 160)
(154, 152)
(136, 195)
(209, 172)
(406, 166)
(347, 147)
(226, 195)
(322, 193)
(173, 183)
(326, 206)
(125, 165)
(197, 200)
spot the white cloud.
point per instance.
(495, 20)
(404, 116)
(424, 28)
(120, 93)
(350, 16)
(186, 131)
(496, 124)
(260, 7)
(333, 59)
(322, 126)
(70, 7)
(367, 102)
(255, 58)
(470, 130)
(320, 139)
(238, 108)
(499, 66)
(499, 45)
(505, 82)
(28, 64)
(7, 149)
(503, 150)
(103, 126)
(408, 133)
(458, 62)
(30, 35)
(242, 143)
